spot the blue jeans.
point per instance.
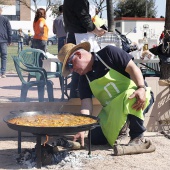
(39, 44)
(20, 46)
(3, 55)
(61, 42)
(42, 45)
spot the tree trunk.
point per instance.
(165, 59)
(110, 16)
(167, 15)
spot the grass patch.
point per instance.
(12, 51)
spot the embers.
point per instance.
(50, 153)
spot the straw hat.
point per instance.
(67, 50)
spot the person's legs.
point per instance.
(18, 47)
(74, 85)
(136, 125)
(61, 42)
(3, 51)
(75, 76)
(21, 43)
(42, 45)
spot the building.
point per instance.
(22, 17)
(135, 28)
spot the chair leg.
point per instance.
(50, 91)
(62, 87)
(41, 92)
(24, 91)
(29, 77)
(65, 87)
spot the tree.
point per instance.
(135, 8)
(167, 14)
(49, 5)
(100, 5)
(165, 66)
(5, 2)
(110, 15)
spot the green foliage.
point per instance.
(135, 8)
(54, 10)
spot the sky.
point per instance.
(160, 4)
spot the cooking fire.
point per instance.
(59, 153)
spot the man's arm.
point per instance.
(139, 94)
(135, 73)
(82, 12)
(86, 108)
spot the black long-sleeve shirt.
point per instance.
(76, 16)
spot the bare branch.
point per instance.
(28, 5)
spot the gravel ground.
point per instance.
(102, 156)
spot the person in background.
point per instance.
(20, 40)
(114, 79)
(58, 28)
(29, 37)
(79, 28)
(161, 37)
(5, 39)
(40, 32)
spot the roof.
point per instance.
(139, 19)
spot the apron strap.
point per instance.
(103, 61)
(87, 78)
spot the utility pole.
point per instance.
(110, 15)
(146, 10)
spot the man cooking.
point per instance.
(114, 79)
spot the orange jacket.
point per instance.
(36, 27)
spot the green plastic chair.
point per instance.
(151, 70)
(32, 57)
(40, 81)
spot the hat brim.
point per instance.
(84, 45)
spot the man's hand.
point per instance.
(140, 96)
(99, 31)
(80, 136)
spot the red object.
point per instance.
(162, 35)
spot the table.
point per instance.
(139, 61)
(49, 65)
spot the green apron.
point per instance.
(113, 90)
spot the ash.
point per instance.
(63, 159)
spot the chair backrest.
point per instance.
(32, 57)
(23, 72)
(19, 69)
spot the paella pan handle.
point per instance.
(16, 111)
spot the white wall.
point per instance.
(28, 25)
(153, 32)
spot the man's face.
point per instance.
(80, 62)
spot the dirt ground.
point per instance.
(102, 156)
